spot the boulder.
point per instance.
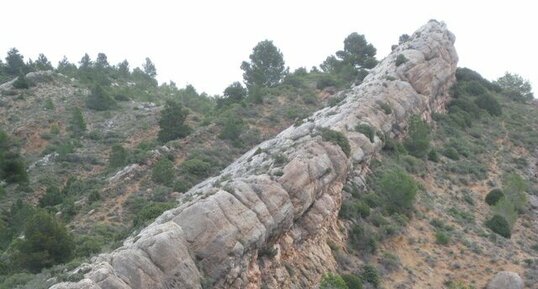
(506, 280)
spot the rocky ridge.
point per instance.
(268, 217)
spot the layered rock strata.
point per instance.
(267, 219)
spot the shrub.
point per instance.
(326, 80)
(337, 138)
(163, 172)
(451, 153)
(489, 103)
(21, 82)
(118, 156)
(332, 281)
(352, 281)
(94, 196)
(366, 130)
(433, 155)
(52, 197)
(398, 189)
(232, 128)
(418, 139)
(401, 59)
(196, 167)
(99, 99)
(385, 107)
(499, 225)
(514, 187)
(390, 262)
(370, 275)
(150, 212)
(494, 196)
(172, 122)
(442, 237)
(363, 238)
(46, 243)
(77, 124)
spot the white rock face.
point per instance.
(267, 218)
(506, 280)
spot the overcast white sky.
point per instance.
(203, 42)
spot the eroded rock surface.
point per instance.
(506, 280)
(268, 217)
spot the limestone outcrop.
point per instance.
(266, 220)
(506, 280)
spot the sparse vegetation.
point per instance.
(366, 130)
(401, 59)
(337, 138)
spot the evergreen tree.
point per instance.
(172, 122)
(515, 87)
(77, 123)
(266, 67)
(102, 61)
(46, 242)
(418, 139)
(123, 69)
(42, 63)
(118, 156)
(15, 62)
(351, 64)
(66, 68)
(85, 62)
(149, 68)
(99, 99)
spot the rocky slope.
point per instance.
(281, 199)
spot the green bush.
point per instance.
(89, 245)
(451, 153)
(442, 237)
(337, 138)
(46, 243)
(371, 275)
(490, 104)
(77, 124)
(499, 225)
(21, 82)
(418, 139)
(433, 155)
(99, 99)
(494, 196)
(172, 122)
(401, 59)
(52, 197)
(398, 190)
(363, 239)
(366, 130)
(352, 281)
(150, 212)
(118, 156)
(332, 281)
(515, 187)
(12, 168)
(163, 172)
(232, 128)
(196, 167)
(353, 209)
(94, 196)
(326, 80)
(385, 107)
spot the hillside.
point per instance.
(384, 184)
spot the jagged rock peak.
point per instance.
(276, 207)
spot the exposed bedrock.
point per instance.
(267, 218)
